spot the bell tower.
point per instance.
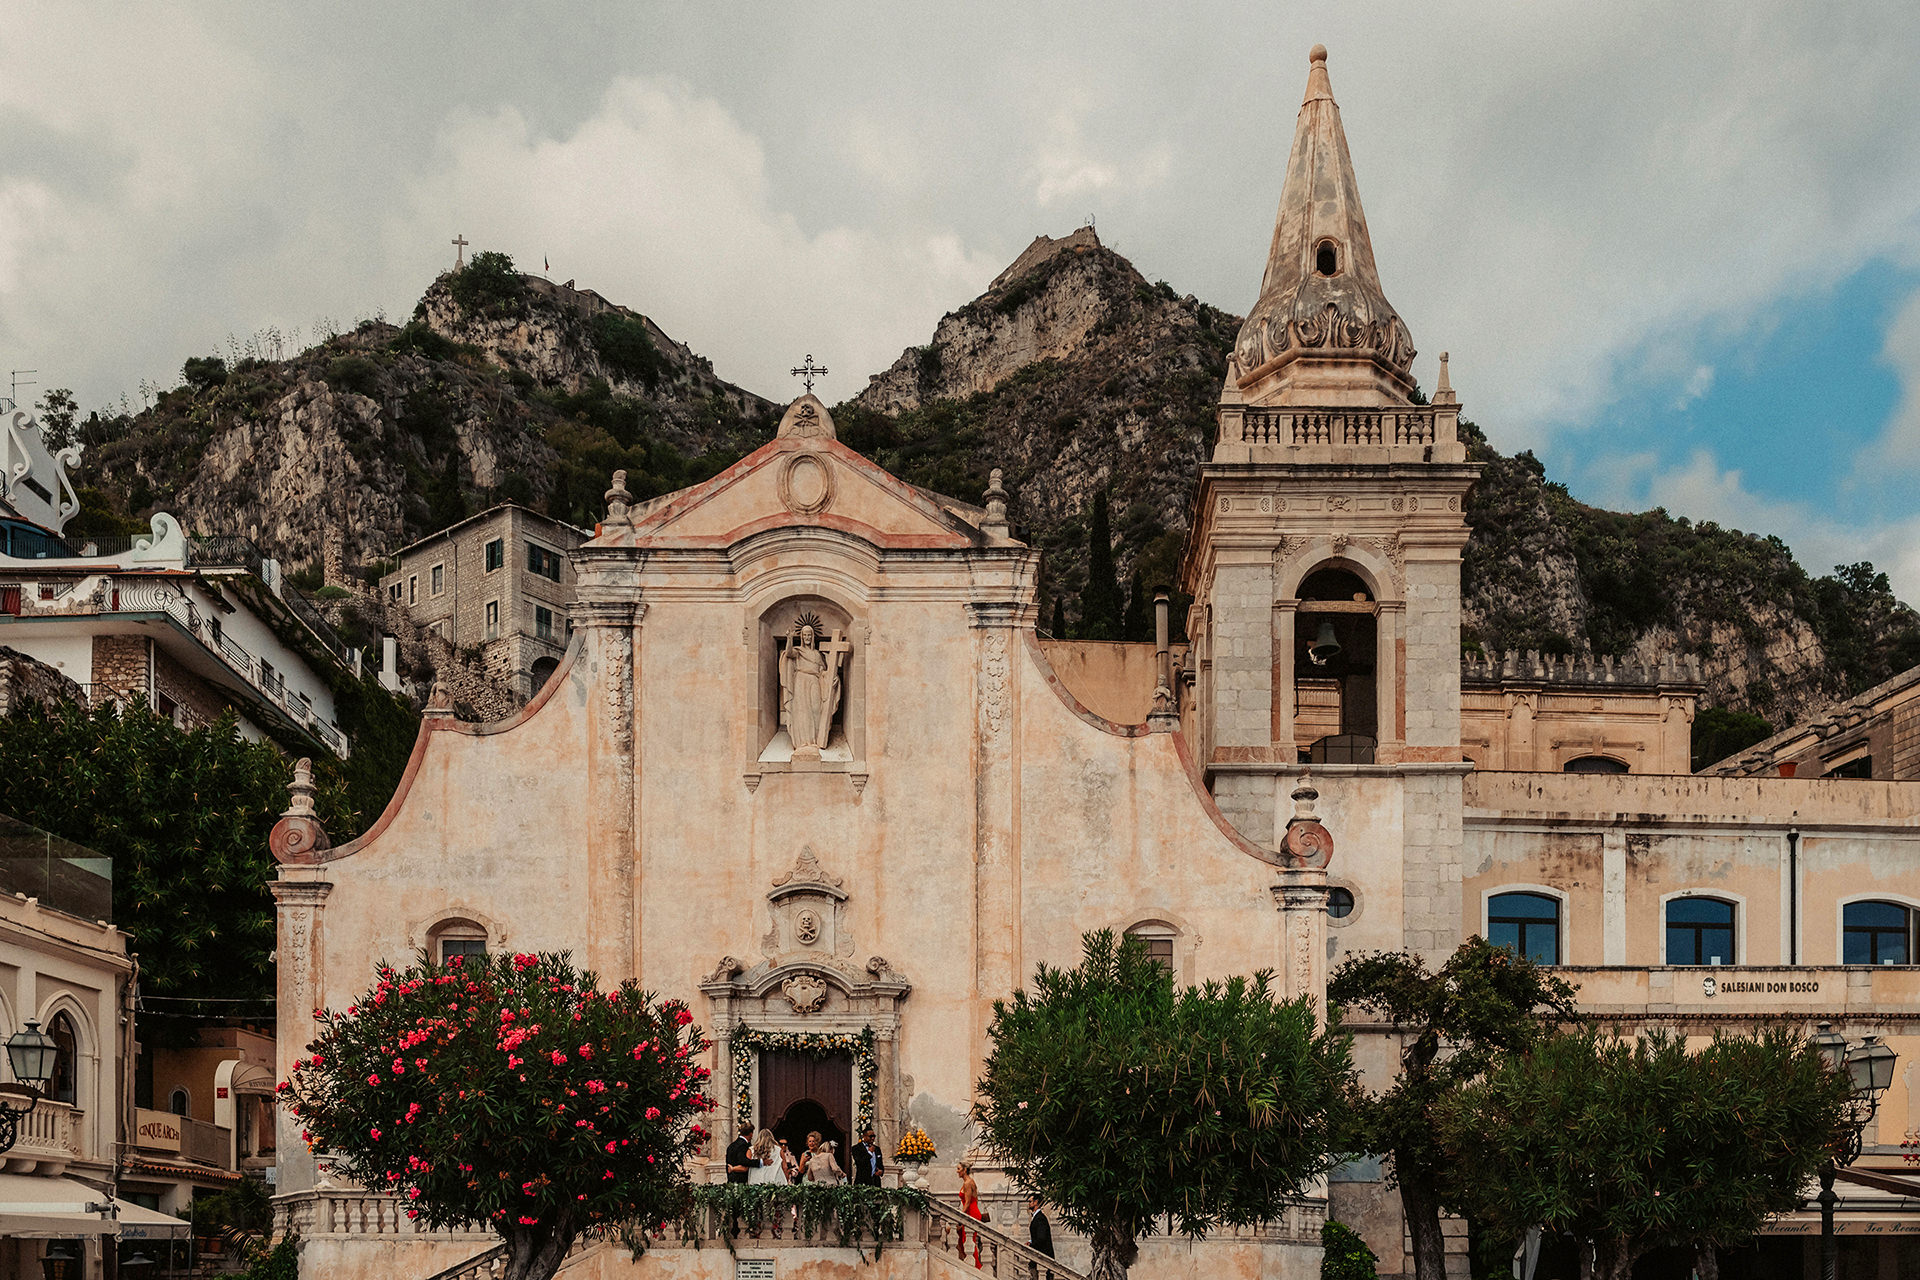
(1324, 560)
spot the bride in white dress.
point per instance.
(773, 1160)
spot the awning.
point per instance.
(54, 1208)
(138, 1223)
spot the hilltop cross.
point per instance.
(808, 372)
(459, 243)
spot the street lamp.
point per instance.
(32, 1054)
(1869, 1071)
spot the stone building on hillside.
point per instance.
(1875, 735)
(499, 582)
(806, 763)
(195, 625)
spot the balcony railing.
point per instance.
(147, 594)
(207, 1143)
(1302, 427)
(50, 1135)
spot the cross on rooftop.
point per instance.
(808, 372)
(459, 243)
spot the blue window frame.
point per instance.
(1700, 931)
(1876, 933)
(1527, 924)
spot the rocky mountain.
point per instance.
(501, 387)
(1072, 372)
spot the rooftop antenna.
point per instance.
(13, 397)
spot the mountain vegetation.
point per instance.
(1078, 377)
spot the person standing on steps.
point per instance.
(740, 1159)
(866, 1161)
(1039, 1230)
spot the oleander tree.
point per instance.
(1484, 1004)
(1123, 1101)
(1631, 1145)
(509, 1090)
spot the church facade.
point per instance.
(807, 764)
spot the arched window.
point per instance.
(1527, 924)
(65, 1085)
(181, 1103)
(1876, 933)
(1159, 936)
(542, 671)
(453, 939)
(1700, 931)
(1335, 643)
(1594, 764)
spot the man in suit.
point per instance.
(1039, 1230)
(739, 1160)
(866, 1161)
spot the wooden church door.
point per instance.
(800, 1093)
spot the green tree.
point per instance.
(184, 816)
(1636, 1144)
(57, 411)
(1059, 618)
(1484, 1004)
(1100, 605)
(1719, 732)
(446, 501)
(510, 1091)
(1123, 1101)
(1344, 1255)
(1139, 623)
(203, 373)
(489, 285)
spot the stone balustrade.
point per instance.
(49, 1139)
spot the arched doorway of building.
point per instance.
(800, 1094)
(543, 669)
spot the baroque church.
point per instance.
(808, 764)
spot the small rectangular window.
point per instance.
(493, 619)
(543, 562)
(496, 554)
(451, 947)
(439, 579)
(413, 588)
(543, 622)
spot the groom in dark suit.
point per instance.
(1039, 1230)
(866, 1161)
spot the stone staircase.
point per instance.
(982, 1249)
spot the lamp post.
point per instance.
(31, 1054)
(1869, 1070)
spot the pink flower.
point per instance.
(1023, 1107)
(653, 1113)
(375, 1133)
(682, 1018)
(611, 1148)
(529, 1222)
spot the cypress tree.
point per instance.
(1059, 618)
(1101, 608)
(1139, 616)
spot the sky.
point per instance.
(1673, 249)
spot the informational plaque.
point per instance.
(753, 1269)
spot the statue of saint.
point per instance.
(810, 689)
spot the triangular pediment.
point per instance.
(804, 477)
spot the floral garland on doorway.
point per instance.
(747, 1041)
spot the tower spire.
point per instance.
(1322, 331)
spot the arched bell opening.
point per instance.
(1336, 675)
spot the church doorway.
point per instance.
(801, 1094)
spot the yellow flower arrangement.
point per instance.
(915, 1147)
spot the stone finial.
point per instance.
(618, 499)
(1308, 846)
(300, 790)
(440, 699)
(1443, 392)
(298, 837)
(1306, 793)
(996, 521)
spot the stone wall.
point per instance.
(120, 663)
(24, 680)
(200, 703)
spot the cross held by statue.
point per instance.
(808, 372)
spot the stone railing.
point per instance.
(50, 1135)
(1534, 667)
(985, 1249)
(337, 1213)
(1298, 428)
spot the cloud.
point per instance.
(1897, 451)
(1702, 489)
(663, 200)
(1698, 383)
